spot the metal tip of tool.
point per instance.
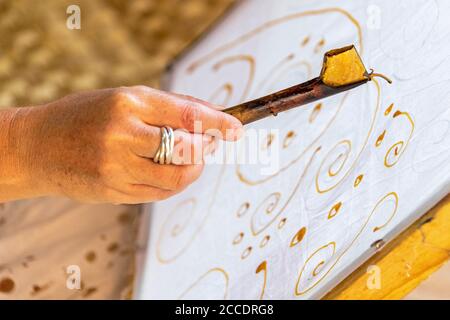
(373, 75)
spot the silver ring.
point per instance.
(169, 145)
(165, 151)
(162, 146)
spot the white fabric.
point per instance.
(191, 253)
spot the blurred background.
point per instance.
(120, 43)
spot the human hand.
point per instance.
(97, 146)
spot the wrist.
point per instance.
(19, 176)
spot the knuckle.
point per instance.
(113, 196)
(139, 134)
(142, 89)
(122, 96)
(191, 114)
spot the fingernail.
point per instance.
(234, 133)
(236, 123)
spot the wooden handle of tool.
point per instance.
(286, 99)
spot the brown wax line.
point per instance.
(295, 96)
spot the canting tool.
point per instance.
(342, 70)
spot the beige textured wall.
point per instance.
(121, 43)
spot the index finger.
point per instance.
(191, 114)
